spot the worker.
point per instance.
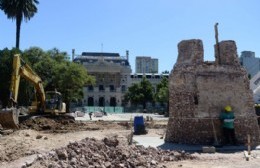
(90, 115)
(227, 117)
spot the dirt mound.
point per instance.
(45, 123)
(64, 124)
(91, 153)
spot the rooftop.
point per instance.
(100, 54)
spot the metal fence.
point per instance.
(107, 109)
(121, 109)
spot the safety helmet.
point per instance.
(228, 108)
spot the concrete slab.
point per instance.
(148, 141)
(157, 142)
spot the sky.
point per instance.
(144, 27)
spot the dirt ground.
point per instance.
(38, 136)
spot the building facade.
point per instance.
(255, 87)
(146, 65)
(113, 76)
(155, 79)
(112, 73)
(250, 62)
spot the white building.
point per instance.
(255, 87)
(113, 76)
(155, 79)
(112, 73)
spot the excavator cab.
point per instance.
(53, 102)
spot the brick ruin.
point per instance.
(200, 90)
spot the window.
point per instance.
(112, 88)
(101, 88)
(90, 88)
(123, 88)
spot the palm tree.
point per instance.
(19, 10)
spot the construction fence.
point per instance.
(121, 109)
(107, 109)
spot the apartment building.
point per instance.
(250, 62)
(145, 64)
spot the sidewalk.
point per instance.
(157, 142)
(121, 117)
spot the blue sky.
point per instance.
(144, 27)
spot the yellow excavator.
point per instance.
(49, 103)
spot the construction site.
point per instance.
(190, 137)
(105, 142)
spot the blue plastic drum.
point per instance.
(139, 127)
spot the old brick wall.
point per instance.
(200, 90)
(191, 51)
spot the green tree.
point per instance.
(34, 55)
(19, 10)
(70, 78)
(131, 94)
(162, 93)
(165, 72)
(57, 72)
(57, 55)
(140, 93)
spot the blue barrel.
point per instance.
(139, 127)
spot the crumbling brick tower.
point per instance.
(200, 90)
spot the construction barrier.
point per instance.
(107, 109)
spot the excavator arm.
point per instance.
(51, 105)
(20, 68)
(9, 116)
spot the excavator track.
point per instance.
(9, 118)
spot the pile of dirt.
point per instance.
(108, 152)
(45, 123)
(64, 124)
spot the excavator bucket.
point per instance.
(9, 118)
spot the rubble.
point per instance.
(106, 153)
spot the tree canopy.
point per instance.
(165, 72)
(19, 10)
(140, 93)
(162, 91)
(55, 70)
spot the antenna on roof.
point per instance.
(73, 54)
(127, 55)
(102, 58)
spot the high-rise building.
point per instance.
(250, 62)
(145, 64)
